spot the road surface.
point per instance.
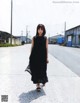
(68, 56)
(63, 85)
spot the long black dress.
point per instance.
(38, 57)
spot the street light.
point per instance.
(11, 20)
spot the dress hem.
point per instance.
(40, 81)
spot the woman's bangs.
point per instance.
(40, 26)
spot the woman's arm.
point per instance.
(32, 43)
(47, 46)
(47, 49)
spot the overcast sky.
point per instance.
(32, 12)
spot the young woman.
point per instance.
(39, 57)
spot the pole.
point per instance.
(26, 33)
(11, 19)
(22, 35)
(65, 32)
(65, 28)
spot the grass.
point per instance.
(9, 45)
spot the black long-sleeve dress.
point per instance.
(38, 60)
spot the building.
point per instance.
(57, 39)
(15, 40)
(6, 37)
(25, 39)
(72, 36)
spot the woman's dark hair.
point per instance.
(42, 27)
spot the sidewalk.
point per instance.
(63, 85)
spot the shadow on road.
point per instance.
(30, 96)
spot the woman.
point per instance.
(39, 57)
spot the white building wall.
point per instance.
(15, 41)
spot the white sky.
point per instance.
(33, 12)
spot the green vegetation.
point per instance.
(8, 45)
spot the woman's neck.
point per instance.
(39, 34)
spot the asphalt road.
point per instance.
(68, 56)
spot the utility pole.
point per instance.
(11, 20)
(65, 31)
(65, 28)
(26, 33)
(22, 35)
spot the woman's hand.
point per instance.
(47, 61)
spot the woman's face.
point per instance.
(40, 31)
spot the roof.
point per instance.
(73, 28)
(5, 33)
(17, 37)
(57, 36)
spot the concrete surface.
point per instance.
(63, 85)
